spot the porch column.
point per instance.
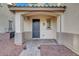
(18, 29)
(58, 24)
(62, 23)
(59, 36)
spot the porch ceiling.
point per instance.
(41, 13)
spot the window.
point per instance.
(0, 4)
(48, 23)
(10, 25)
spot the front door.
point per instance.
(36, 28)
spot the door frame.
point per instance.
(32, 28)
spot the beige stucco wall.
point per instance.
(71, 19)
(44, 32)
(69, 35)
(5, 16)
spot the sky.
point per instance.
(22, 4)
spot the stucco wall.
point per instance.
(70, 40)
(5, 16)
(71, 19)
(44, 32)
(69, 35)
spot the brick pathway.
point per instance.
(56, 50)
(33, 46)
(7, 46)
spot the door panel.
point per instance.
(36, 28)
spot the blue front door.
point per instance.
(36, 28)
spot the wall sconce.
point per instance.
(43, 24)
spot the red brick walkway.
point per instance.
(56, 50)
(7, 46)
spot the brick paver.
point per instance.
(56, 50)
(7, 46)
